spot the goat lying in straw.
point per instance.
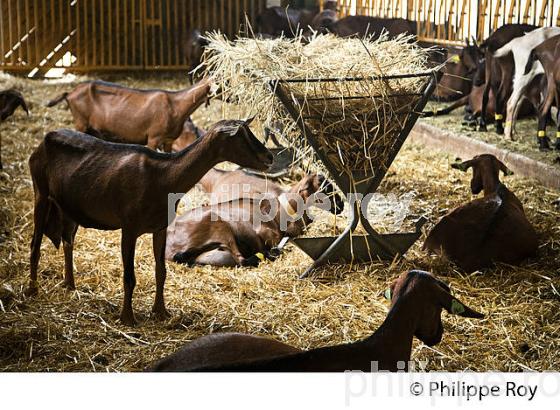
(417, 299)
(81, 180)
(226, 233)
(10, 100)
(490, 229)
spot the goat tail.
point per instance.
(530, 61)
(503, 51)
(57, 100)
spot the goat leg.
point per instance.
(68, 266)
(70, 230)
(159, 239)
(128, 245)
(39, 216)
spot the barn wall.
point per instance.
(111, 34)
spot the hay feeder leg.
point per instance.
(348, 247)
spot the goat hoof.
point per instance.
(557, 144)
(544, 144)
(499, 130)
(31, 290)
(69, 285)
(482, 128)
(161, 313)
(128, 319)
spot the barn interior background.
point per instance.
(101, 35)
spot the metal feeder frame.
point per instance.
(347, 247)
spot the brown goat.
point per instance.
(548, 53)
(10, 100)
(148, 117)
(79, 180)
(458, 73)
(416, 304)
(490, 229)
(226, 233)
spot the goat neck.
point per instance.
(490, 183)
(188, 100)
(191, 164)
(392, 341)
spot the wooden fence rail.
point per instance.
(111, 34)
(452, 21)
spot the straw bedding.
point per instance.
(79, 331)
(356, 122)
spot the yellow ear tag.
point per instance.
(456, 307)
(260, 256)
(456, 59)
(387, 294)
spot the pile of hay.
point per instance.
(356, 122)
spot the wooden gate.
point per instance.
(452, 21)
(95, 35)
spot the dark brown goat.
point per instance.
(194, 49)
(284, 21)
(226, 232)
(499, 71)
(490, 229)
(10, 100)
(148, 117)
(458, 73)
(416, 304)
(548, 53)
(365, 25)
(79, 180)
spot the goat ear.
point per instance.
(463, 166)
(504, 169)
(454, 306)
(248, 121)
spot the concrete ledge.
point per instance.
(466, 148)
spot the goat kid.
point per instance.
(417, 299)
(10, 100)
(490, 229)
(79, 180)
(227, 233)
(147, 117)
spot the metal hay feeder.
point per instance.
(348, 247)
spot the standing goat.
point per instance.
(81, 180)
(520, 48)
(148, 117)
(490, 229)
(10, 100)
(417, 299)
(499, 71)
(548, 54)
(227, 233)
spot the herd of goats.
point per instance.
(114, 154)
